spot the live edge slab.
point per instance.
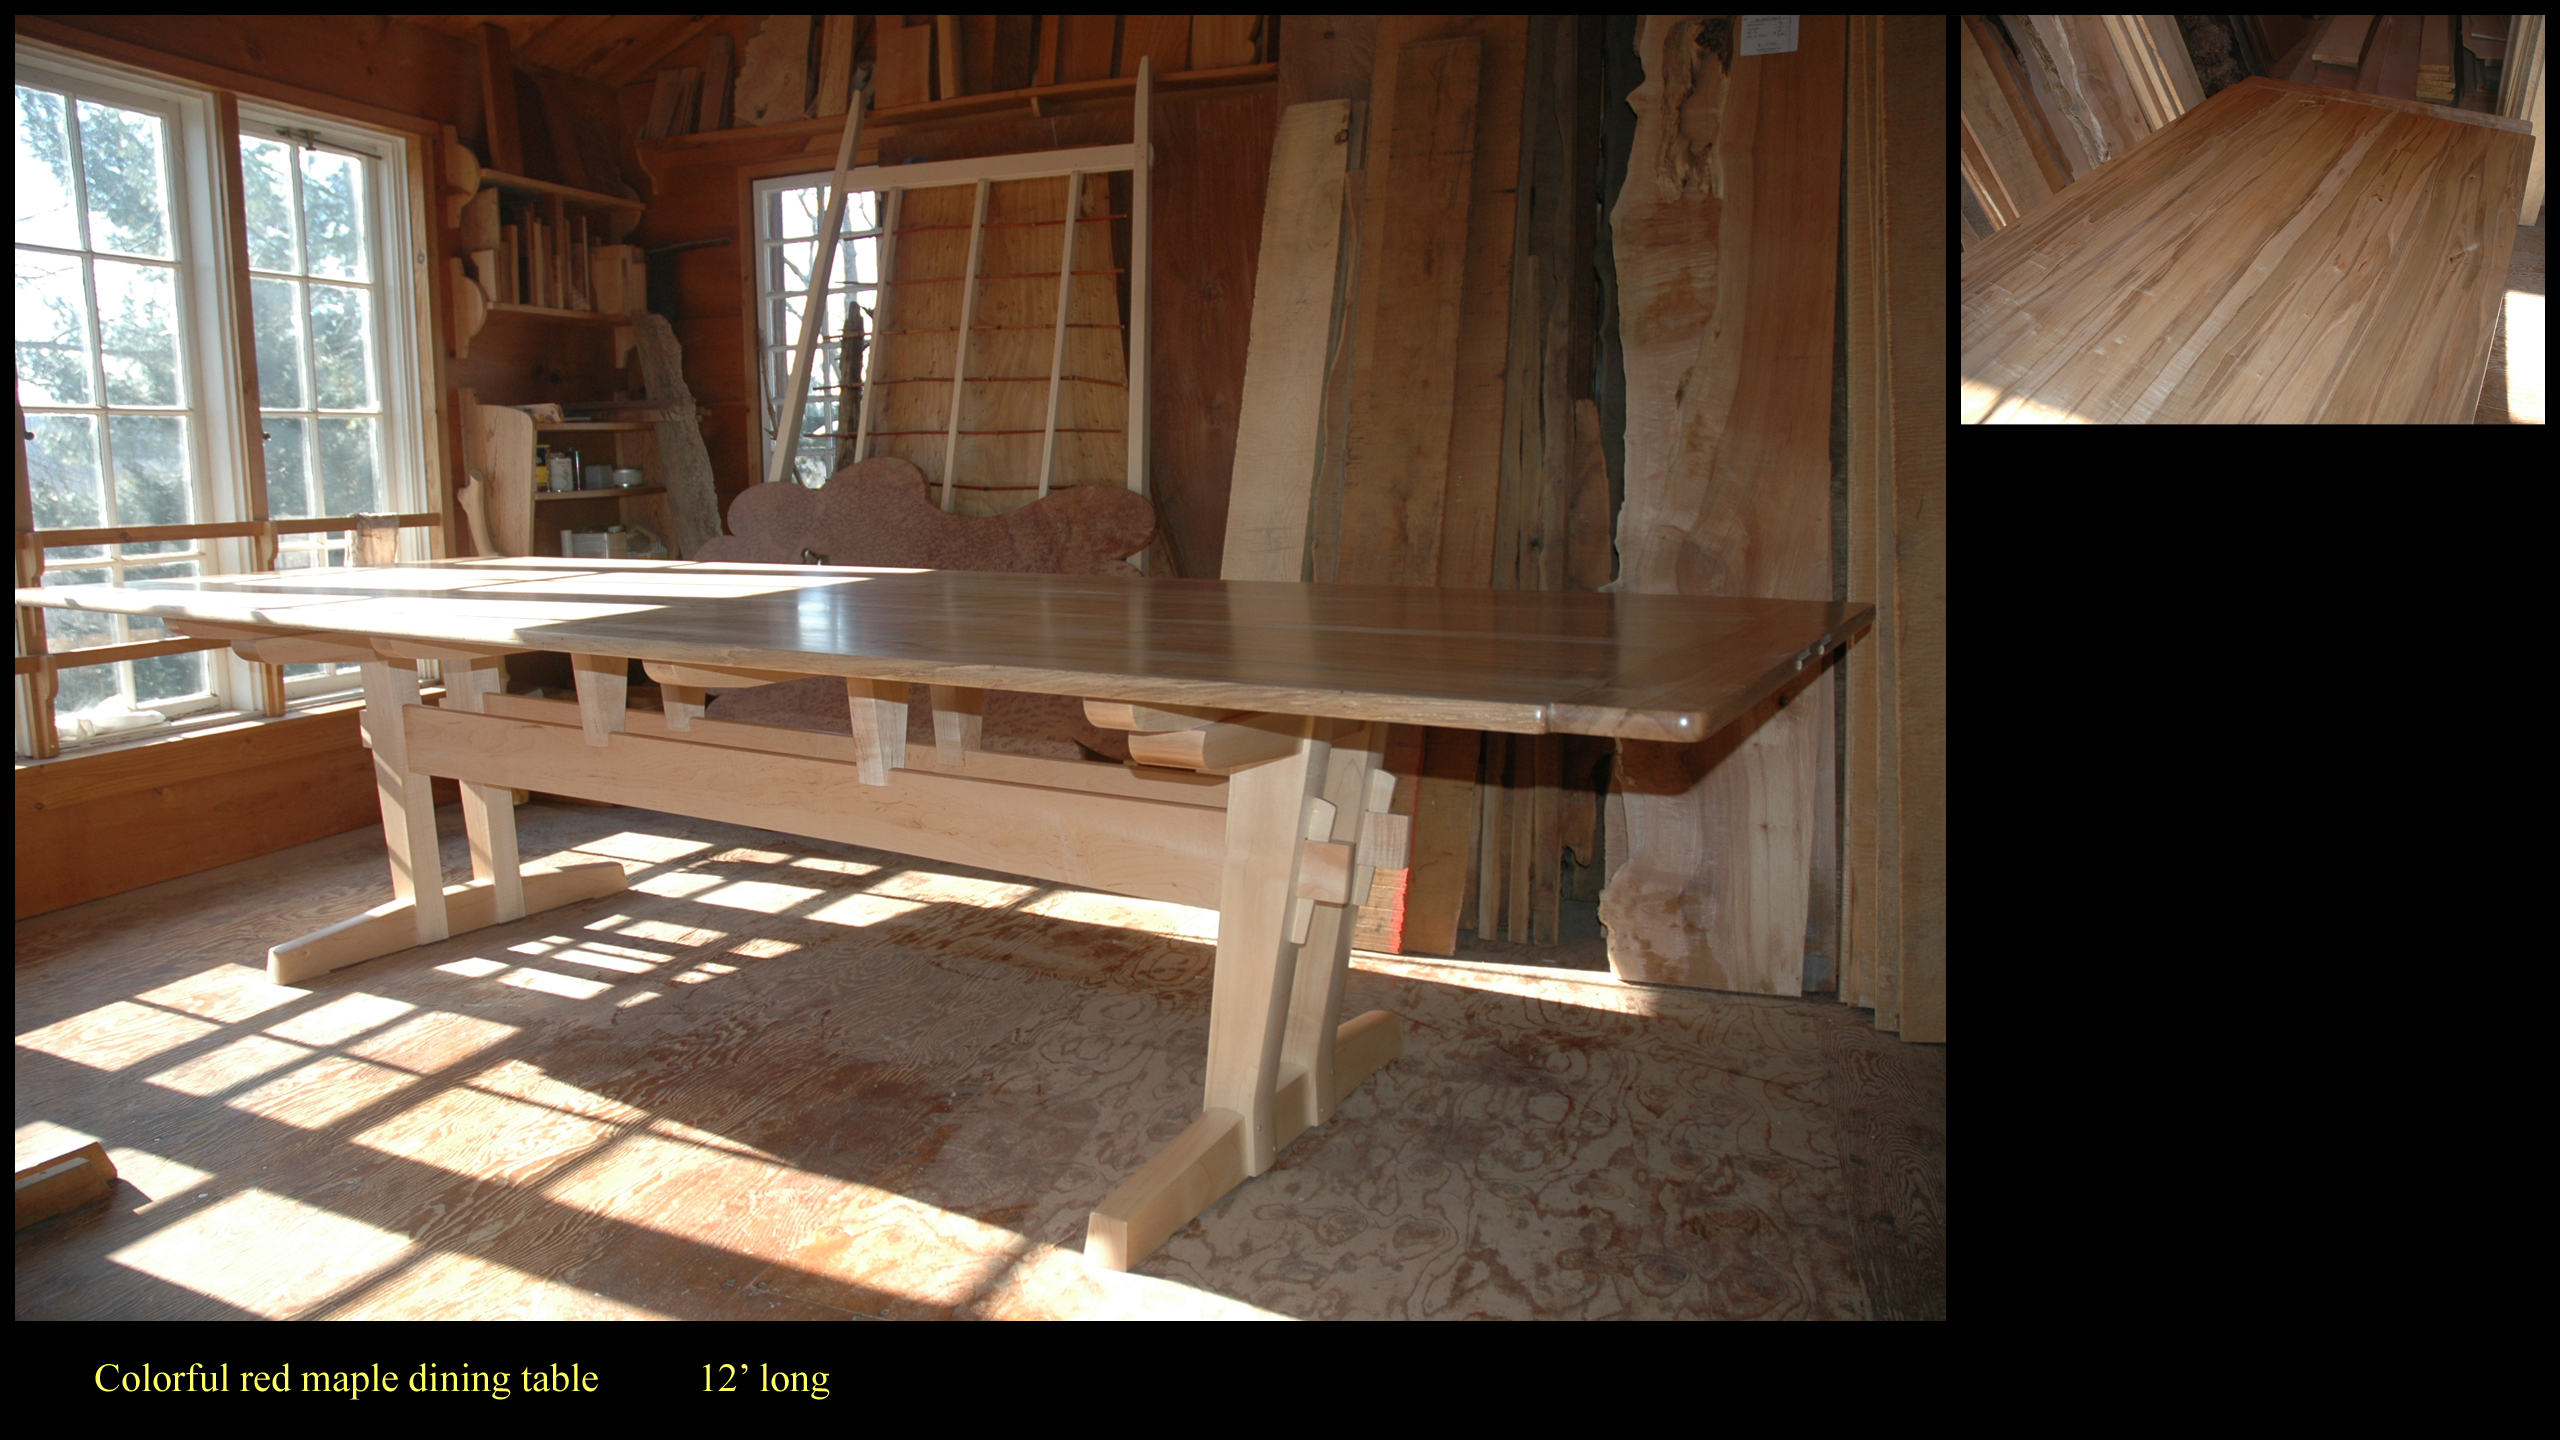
(1257, 712)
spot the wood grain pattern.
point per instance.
(2096, 78)
(1398, 471)
(1896, 327)
(95, 825)
(1477, 406)
(2074, 138)
(1293, 292)
(2521, 99)
(1326, 57)
(1665, 667)
(2011, 169)
(2391, 63)
(2000, 72)
(2283, 254)
(1161, 851)
(2155, 59)
(1727, 478)
(1212, 168)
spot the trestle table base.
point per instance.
(1280, 1058)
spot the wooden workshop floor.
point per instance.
(2513, 395)
(789, 1079)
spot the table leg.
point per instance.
(426, 909)
(408, 799)
(1262, 1000)
(959, 721)
(488, 811)
(1316, 1068)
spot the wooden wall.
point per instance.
(100, 824)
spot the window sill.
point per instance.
(213, 739)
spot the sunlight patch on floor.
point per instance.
(115, 1035)
(270, 1255)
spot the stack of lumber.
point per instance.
(2285, 254)
(1893, 948)
(2435, 58)
(2457, 60)
(1417, 405)
(2374, 54)
(2045, 99)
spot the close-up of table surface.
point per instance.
(1664, 667)
(2282, 253)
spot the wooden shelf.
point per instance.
(612, 494)
(545, 312)
(527, 185)
(992, 101)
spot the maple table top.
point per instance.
(1658, 667)
(2282, 253)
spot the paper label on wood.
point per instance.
(1768, 34)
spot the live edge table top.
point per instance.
(1654, 667)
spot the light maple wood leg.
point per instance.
(390, 929)
(879, 710)
(1308, 1086)
(408, 798)
(604, 690)
(684, 704)
(1236, 1135)
(488, 811)
(1186, 1177)
(959, 720)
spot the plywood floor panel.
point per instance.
(2283, 253)
(787, 1079)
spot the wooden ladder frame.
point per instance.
(1136, 157)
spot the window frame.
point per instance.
(226, 414)
(771, 307)
(210, 384)
(403, 456)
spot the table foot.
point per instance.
(392, 928)
(1360, 1047)
(1207, 1159)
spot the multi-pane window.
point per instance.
(106, 368)
(315, 301)
(128, 350)
(788, 214)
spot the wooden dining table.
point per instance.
(1256, 714)
(2281, 254)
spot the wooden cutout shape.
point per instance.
(881, 512)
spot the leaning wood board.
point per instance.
(1658, 667)
(1726, 274)
(2281, 254)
